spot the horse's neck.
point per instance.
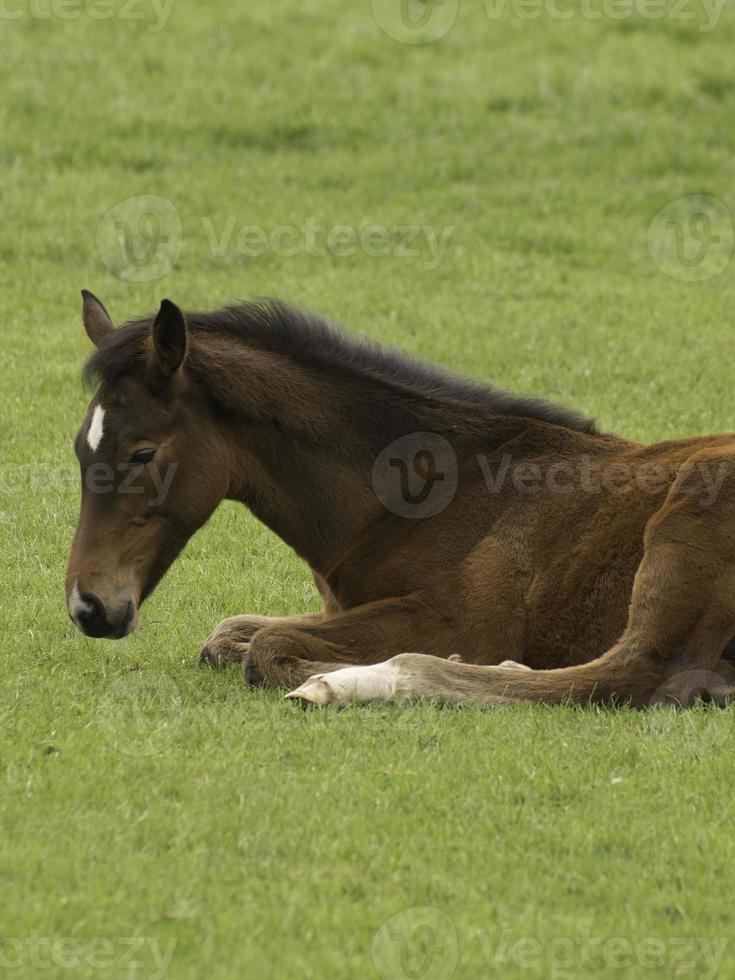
(317, 502)
(303, 447)
(304, 444)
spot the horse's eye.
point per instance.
(142, 457)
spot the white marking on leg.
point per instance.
(96, 429)
(379, 682)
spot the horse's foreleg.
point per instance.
(230, 641)
(288, 653)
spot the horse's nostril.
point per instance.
(97, 620)
(90, 612)
(92, 604)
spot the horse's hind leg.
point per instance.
(681, 617)
(614, 678)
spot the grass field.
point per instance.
(160, 820)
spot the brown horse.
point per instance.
(525, 555)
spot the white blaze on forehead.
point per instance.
(96, 429)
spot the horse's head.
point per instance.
(154, 468)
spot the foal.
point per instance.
(437, 515)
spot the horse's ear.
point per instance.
(96, 319)
(169, 338)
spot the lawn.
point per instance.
(160, 820)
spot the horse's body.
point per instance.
(604, 566)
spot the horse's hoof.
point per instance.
(217, 659)
(315, 692)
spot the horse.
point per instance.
(469, 545)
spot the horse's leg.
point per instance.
(414, 675)
(286, 654)
(681, 617)
(229, 642)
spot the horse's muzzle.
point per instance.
(100, 621)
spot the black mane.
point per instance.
(275, 326)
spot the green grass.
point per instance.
(142, 798)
